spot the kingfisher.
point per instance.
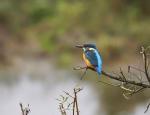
(91, 57)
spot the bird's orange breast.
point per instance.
(87, 62)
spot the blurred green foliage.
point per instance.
(53, 22)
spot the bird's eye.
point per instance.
(87, 48)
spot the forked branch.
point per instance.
(65, 104)
(132, 82)
(25, 110)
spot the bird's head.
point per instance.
(87, 47)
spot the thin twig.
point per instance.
(109, 84)
(83, 74)
(147, 108)
(122, 74)
(26, 110)
(136, 91)
(79, 68)
(22, 110)
(68, 94)
(64, 101)
(145, 63)
(76, 101)
(132, 67)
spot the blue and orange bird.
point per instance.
(91, 57)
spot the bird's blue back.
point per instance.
(95, 59)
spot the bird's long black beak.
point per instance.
(79, 46)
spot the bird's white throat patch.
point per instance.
(91, 49)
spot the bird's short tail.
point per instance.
(99, 71)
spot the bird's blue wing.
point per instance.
(95, 59)
(92, 57)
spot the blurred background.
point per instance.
(37, 53)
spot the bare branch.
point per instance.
(110, 84)
(62, 110)
(132, 67)
(147, 108)
(79, 68)
(143, 52)
(22, 110)
(126, 81)
(26, 110)
(76, 101)
(64, 101)
(68, 94)
(122, 74)
(83, 74)
(131, 82)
